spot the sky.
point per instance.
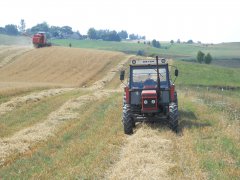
(208, 21)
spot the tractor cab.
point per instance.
(145, 77)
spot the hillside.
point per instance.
(59, 66)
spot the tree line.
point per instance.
(66, 32)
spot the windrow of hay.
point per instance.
(146, 155)
(33, 97)
(23, 140)
(59, 65)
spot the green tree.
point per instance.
(40, 27)
(200, 56)
(111, 36)
(171, 41)
(2, 30)
(190, 41)
(11, 29)
(156, 43)
(66, 31)
(92, 34)
(208, 58)
(55, 32)
(123, 34)
(132, 36)
(22, 26)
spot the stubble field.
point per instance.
(61, 118)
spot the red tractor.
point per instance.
(40, 40)
(150, 94)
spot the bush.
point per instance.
(200, 56)
(208, 58)
(140, 53)
(156, 43)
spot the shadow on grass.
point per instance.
(188, 119)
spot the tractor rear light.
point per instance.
(153, 101)
(172, 90)
(145, 101)
(126, 89)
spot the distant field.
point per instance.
(223, 51)
(176, 51)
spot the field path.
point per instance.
(24, 139)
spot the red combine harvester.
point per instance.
(40, 40)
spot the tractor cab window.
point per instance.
(146, 77)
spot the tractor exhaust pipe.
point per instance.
(158, 77)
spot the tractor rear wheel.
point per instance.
(127, 120)
(173, 117)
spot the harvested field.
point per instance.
(23, 140)
(61, 114)
(9, 53)
(60, 66)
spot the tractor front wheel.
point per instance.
(173, 117)
(127, 120)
